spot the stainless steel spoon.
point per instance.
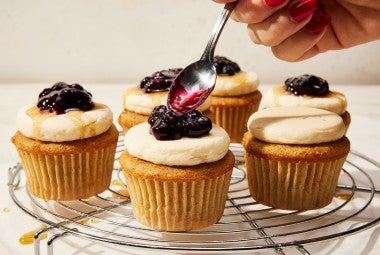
(194, 83)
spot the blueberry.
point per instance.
(224, 66)
(196, 123)
(307, 84)
(62, 97)
(168, 125)
(157, 111)
(159, 81)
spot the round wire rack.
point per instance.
(245, 226)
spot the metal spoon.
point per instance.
(194, 83)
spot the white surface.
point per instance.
(363, 104)
(123, 40)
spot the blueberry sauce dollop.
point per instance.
(166, 124)
(62, 97)
(225, 66)
(307, 84)
(159, 81)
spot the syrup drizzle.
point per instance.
(79, 118)
(343, 196)
(121, 194)
(28, 238)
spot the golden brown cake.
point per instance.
(308, 90)
(294, 156)
(66, 155)
(177, 185)
(234, 98)
(175, 198)
(232, 112)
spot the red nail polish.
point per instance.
(317, 24)
(302, 9)
(274, 3)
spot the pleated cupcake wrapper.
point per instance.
(293, 186)
(234, 119)
(178, 206)
(68, 177)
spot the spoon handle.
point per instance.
(208, 54)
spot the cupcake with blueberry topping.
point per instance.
(139, 101)
(234, 98)
(178, 169)
(294, 156)
(308, 90)
(66, 143)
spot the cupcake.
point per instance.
(178, 170)
(234, 98)
(66, 143)
(294, 156)
(308, 90)
(139, 101)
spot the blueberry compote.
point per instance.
(62, 97)
(166, 124)
(159, 81)
(307, 84)
(224, 66)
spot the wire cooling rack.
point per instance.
(245, 226)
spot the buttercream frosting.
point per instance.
(278, 96)
(136, 100)
(186, 151)
(296, 125)
(241, 83)
(70, 126)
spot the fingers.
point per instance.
(255, 11)
(304, 44)
(283, 23)
(275, 29)
(293, 28)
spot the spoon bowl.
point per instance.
(193, 84)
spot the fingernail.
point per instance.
(302, 9)
(318, 24)
(274, 3)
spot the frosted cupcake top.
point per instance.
(64, 113)
(169, 138)
(305, 90)
(186, 151)
(231, 81)
(296, 125)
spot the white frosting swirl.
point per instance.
(296, 125)
(186, 151)
(278, 96)
(136, 100)
(241, 83)
(70, 126)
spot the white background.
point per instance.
(121, 41)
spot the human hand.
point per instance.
(300, 29)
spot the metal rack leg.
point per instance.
(50, 242)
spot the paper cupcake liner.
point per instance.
(293, 186)
(234, 119)
(68, 177)
(178, 206)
